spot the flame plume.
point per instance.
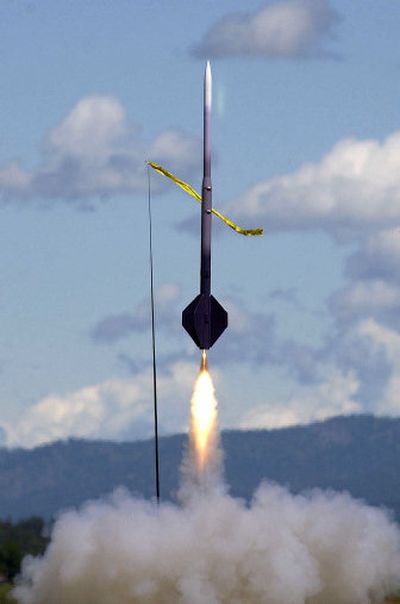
(202, 464)
(203, 414)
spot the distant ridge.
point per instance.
(359, 454)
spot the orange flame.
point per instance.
(203, 414)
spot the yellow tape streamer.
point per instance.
(184, 185)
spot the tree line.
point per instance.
(17, 539)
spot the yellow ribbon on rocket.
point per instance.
(190, 191)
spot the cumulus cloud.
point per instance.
(115, 409)
(349, 349)
(353, 195)
(95, 152)
(379, 258)
(386, 341)
(357, 370)
(375, 298)
(332, 397)
(113, 328)
(289, 29)
(372, 288)
(353, 191)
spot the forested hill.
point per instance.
(360, 454)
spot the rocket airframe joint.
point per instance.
(205, 319)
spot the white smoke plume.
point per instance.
(282, 549)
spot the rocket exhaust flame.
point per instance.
(202, 463)
(203, 424)
(204, 361)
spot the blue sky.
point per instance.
(306, 144)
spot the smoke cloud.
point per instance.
(282, 549)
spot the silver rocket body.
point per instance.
(205, 319)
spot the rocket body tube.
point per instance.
(205, 319)
(206, 189)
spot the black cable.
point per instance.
(153, 338)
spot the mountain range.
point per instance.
(359, 454)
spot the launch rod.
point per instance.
(153, 341)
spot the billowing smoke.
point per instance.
(323, 548)
(320, 549)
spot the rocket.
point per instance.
(205, 319)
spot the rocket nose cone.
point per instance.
(207, 72)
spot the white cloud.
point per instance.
(285, 29)
(95, 152)
(122, 409)
(94, 127)
(332, 397)
(378, 258)
(112, 328)
(352, 191)
(383, 337)
(388, 342)
(115, 409)
(13, 178)
(385, 243)
(353, 194)
(366, 298)
(373, 286)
